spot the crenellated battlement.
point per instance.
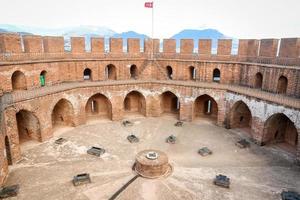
(285, 51)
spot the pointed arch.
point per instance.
(98, 106)
(279, 129)
(28, 126)
(63, 114)
(18, 81)
(170, 103)
(240, 116)
(135, 102)
(206, 107)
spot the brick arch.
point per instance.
(18, 81)
(98, 106)
(110, 72)
(240, 116)
(63, 113)
(134, 102)
(87, 74)
(133, 71)
(169, 72)
(280, 129)
(43, 78)
(28, 126)
(205, 106)
(258, 81)
(191, 72)
(282, 84)
(169, 103)
(216, 75)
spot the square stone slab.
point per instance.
(9, 191)
(222, 181)
(242, 144)
(81, 179)
(96, 151)
(205, 151)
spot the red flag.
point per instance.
(148, 4)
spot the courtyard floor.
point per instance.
(257, 173)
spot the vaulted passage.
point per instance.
(110, 72)
(280, 130)
(206, 107)
(63, 114)
(98, 107)
(18, 81)
(240, 116)
(170, 103)
(28, 126)
(135, 103)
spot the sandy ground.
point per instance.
(257, 173)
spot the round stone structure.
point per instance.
(152, 164)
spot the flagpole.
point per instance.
(152, 34)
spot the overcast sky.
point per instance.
(236, 18)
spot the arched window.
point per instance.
(216, 75)
(169, 72)
(133, 72)
(258, 80)
(43, 78)
(110, 72)
(282, 85)
(192, 73)
(18, 81)
(87, 74)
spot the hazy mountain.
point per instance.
(95, 31)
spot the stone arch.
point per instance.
(192, 73)
(8, 151)
(43, 78)
(240, 116)
(216, 75)
(279, 129)
(62, 114)
(133, 72)
(169, 72)
(282, 85)
(98, 106)
(87, 74)
(169, 103)
(258, 80)
(18, 81)
(111, 72)
(206, 107)
(135, 103)
(28, 126)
